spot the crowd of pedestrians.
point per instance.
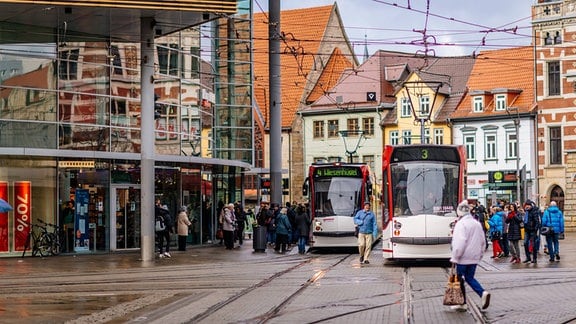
(507, 224)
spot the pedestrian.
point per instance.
(161, 213)
(283, 231)
(468, 245)
(531, 230)
(303, 227)
(293, 239)
(554, 219)
(495, 223)
(240, 223)
(367, 231)
(504, 244)
(251, 221)
(479, 213)
(182, 228)
(228, 226)
(514, 221)
(271, 224)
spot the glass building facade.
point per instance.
(70, 123)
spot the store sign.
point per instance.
(218, 6)
(4, 219)
(76, 164)
(501, 176)
(22, 213)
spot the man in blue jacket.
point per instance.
(367, 231)
(553, 219)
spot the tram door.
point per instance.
(125, 218)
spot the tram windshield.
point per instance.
(424, 188)
(337, 196)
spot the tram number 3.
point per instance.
(424, 154)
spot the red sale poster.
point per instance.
(22, 205)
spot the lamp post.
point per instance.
(359, 134)
(516, 119)
(419, 93)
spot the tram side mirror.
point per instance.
(305, 188)
(369, 188)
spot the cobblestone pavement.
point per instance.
(211, 284)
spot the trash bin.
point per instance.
(259, 238)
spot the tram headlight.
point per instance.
(317, 226)
(397, 225)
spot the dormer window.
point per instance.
(478, 103)
(500, 102)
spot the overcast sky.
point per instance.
(458, 27)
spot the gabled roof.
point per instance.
(305, 31)
(504, 70)
(330, 75)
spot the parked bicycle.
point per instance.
(55, 237)
(38, 241)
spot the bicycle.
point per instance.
(40, 241)
(55, 237)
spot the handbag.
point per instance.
(219, 234)
(561, 236)
(496, 235)
(159, 225)
(356, 231)
(546, 230)
(453, 294)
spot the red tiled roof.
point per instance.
(304, 30)
(510, 68)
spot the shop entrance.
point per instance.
(125, 214)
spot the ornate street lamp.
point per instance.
(421, 104)
(345, 134)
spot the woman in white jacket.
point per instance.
(183, 223)
(468, 245)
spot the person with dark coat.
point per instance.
(514, 221)
(240, 223)
(161, 235)
(303, 222)
(531, 230)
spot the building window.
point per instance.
(394, 138)
(406, 137)
(427, 135)
(511, 148)
(501, 102)
(554, 78)
(438, 136)
(169, 59)
(332, 159)
(69, 64)
(406, 108)
(368, 126)
(490, 148)
(470, 143)
(478, 103)
(369, 160)
(352, 124)
(552, 38)
(333, 128)
(555, 145)
(318, 129)
(424, 106)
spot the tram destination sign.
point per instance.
(338, 172)
(419, 153)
